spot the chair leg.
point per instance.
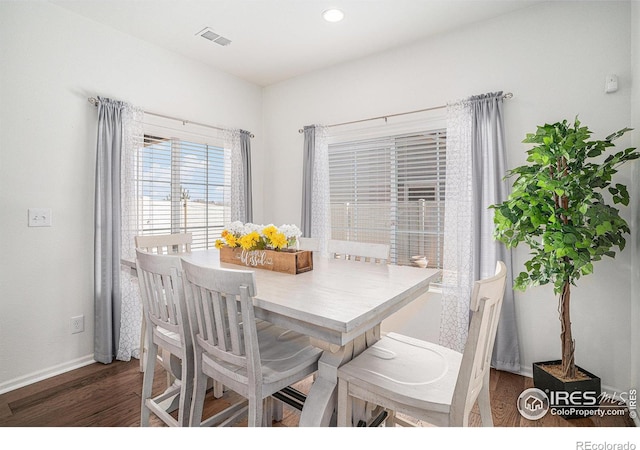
(267, 411)
(186, 394)
(255, 412)
(143, 350)
(147, 384)
(391, 419)
(345, 404)
(484, 402)
(278, 410)
(218, 389)
(199, 392)
(484, 405)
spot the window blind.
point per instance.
(182, 186)
(391, 190)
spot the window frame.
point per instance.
(183, 143)
(399, 182)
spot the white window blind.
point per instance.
(391, 190)
(182, 186)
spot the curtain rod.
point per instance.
(433, 108)
(94, 102)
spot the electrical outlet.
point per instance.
(77, 324)
(39, 217)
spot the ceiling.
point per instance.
(273, 40)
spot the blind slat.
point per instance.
(182, 186)
(391, 190)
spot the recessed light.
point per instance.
(333, 15)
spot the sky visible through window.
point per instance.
(183, 187)
(200, 170)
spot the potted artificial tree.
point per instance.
(557, 208)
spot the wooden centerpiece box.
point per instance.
(285, 260)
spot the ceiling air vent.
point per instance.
(212, 36)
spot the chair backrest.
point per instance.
(161, 289)
(486, 304)
(222, 317)
(165, 244)
(307, 243)
(358, 251)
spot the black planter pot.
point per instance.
(569, 399)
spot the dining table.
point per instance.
(340, 304)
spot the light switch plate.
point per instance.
(39, 217)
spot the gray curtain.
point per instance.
(107, 299)
(245, 152)
(307, 178)
(489, 187)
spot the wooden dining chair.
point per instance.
(165, 313)
(162, 244)
(165, 244)
(427, 381)
(358, 251)
(254, 359)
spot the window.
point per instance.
(182, 187)
(391, 190)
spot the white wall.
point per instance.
(554, 58)
(51, 61)
(635, 192)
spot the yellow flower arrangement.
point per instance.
(248, 241)
(258, 237)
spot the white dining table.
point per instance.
(339, 304)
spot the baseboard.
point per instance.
(46, 373)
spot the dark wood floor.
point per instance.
(109, 396)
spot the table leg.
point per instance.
(173, 366)
(320, 407)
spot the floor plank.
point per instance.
(101, 395)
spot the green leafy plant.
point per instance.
(558, 209)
